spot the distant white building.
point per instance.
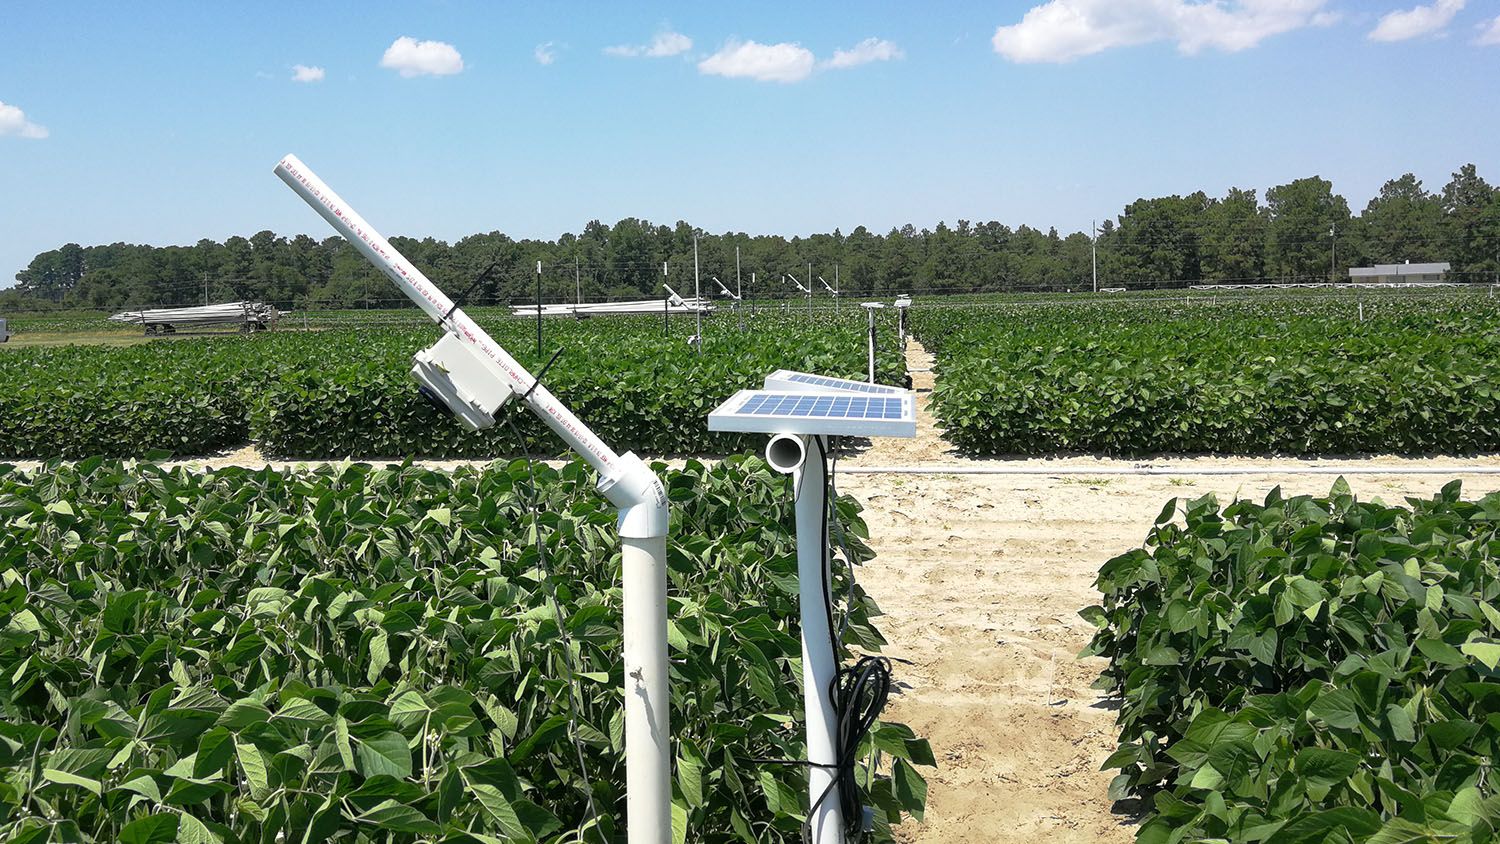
(1407, 273)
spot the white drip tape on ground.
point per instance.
(1175, 471)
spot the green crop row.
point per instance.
(346, 392)
(1293, 377)
(1308, 670)
(374, 654)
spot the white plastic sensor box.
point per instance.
(462, 379)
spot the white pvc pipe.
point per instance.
(871, 308)
(624, 479)
(819, 663)
(648, 760)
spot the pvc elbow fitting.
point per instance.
(640, 496)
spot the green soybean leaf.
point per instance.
(679, 823)
(1316, 826)
(386, 753)
(1326, 768)
(1336, 708)
(1441, 652)
(255, 769)
(690, 773)
(1487, 653)
(1399, 831)
(151, 829)
(1400, 723)
(399, 818)
(71, 779)
(191, 830)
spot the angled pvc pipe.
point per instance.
(723, 289)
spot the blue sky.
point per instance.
(160, 122)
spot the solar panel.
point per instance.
(785, 380)
(843, 414)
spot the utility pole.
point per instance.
(1094, 251)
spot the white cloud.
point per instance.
(544, 53)
(1489, 35)
(1421, 20)
(13, 122)
(784, 62)
(304, 73)
(666, 43)
(1063, 30)
(866, 51)
(411, 57)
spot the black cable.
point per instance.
(574, 700)
(537, 381)
(835, 640)
(478, 279)
(842, 540)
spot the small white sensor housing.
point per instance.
(462, 379)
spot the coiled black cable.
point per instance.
(859, 691)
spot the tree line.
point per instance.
(1301, 231)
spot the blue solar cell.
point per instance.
(833, 384)
(837, 407)
(816, 412)
(836, 383)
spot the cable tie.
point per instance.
(537, 381)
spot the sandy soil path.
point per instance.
(981, 579)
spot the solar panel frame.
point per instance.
(830, 413)
(787, 380)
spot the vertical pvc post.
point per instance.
(697, 295)
(648, 761)
(871, 308)
(819, 663)
(739, 291)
